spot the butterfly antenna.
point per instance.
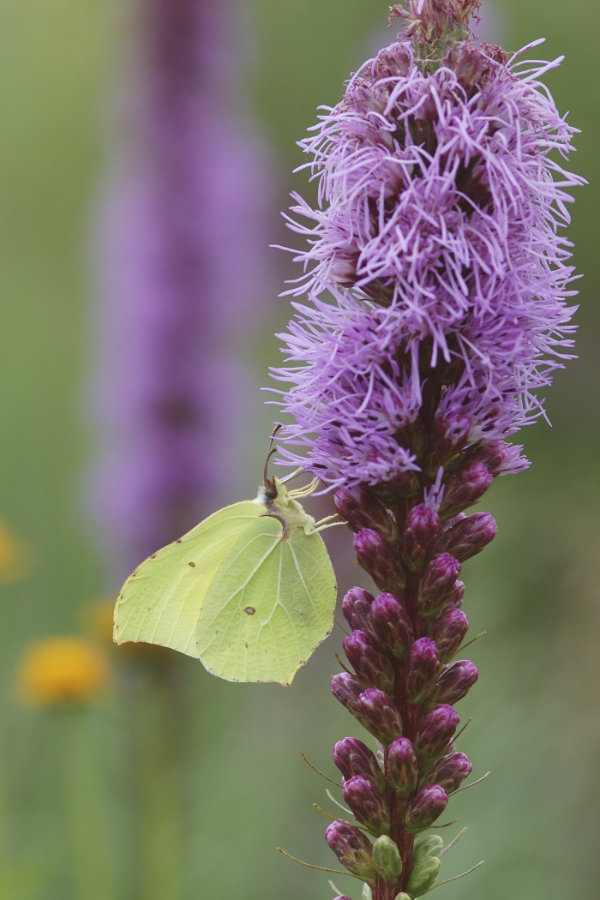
(269, 483)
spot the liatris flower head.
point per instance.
(437, 284)
(438, 240)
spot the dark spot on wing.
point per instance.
(249, 610)
(152, 556)
(178, 541)
(192, 564)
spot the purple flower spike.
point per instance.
(356, 607)
(455, 681)
(402, 767)
(352, 848)
(451, 771)
(367, 804)
(352, 757)
(467, 535)
(437, 282)
(423, 667)
(373, 668)
(426, 807)
(437, 728)
(377, 712)
(391, 624)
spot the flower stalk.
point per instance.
(436, 281)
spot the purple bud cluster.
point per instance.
(411, 538)
(405, 682)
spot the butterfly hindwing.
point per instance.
(269, 605)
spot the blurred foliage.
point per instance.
(178, 785)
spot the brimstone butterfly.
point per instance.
(250, 591)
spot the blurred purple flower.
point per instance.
(181, 262)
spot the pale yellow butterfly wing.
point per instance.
(161, 600)
(269, 605)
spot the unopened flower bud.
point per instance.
(373, 668)
(386, 857)
(360, 510)
(448, 632)
(426, 807)
(402, 767)
(367, 804)
(352, 757)
(378, 713)
(373, 553)
(346, 688)
(423, 667)
(436, 729)
(449, 435)
(451, 771)
(423, 876)
(356, 607)
(502, 458)
(455, 597)
(352, 848)
(464, 536)
(420, 534)
(439, 579)
(426, 846)
(455, 681)
(390, 623)
(465, 488)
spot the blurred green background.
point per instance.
(85, 793)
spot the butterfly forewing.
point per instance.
(160, 602)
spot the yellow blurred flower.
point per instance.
(15, 556)
(61, 670)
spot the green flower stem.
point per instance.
(89, 835)
(160, 789)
